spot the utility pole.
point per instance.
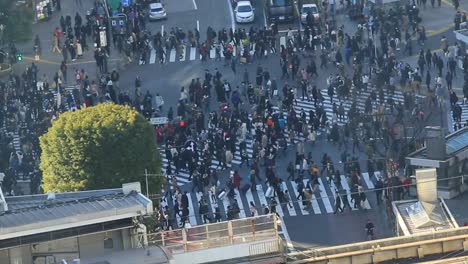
(146, 176)
(151, 175)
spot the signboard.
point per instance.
(118, 23)
(191, 145)
(159, 120)
(103, 38)
(126, 3)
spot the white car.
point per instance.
(156, 11)
(244, 12)
(306, 8)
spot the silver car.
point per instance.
(156, 12)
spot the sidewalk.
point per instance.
(50, 62)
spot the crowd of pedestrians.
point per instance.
(257, 113)
(257, 116)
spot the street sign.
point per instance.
(191, 145)
(159, 120)
(126, 3)
(103, 38)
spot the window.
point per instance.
(157, 9)
(280, 2)
(243, 9)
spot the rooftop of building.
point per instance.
(415, 217)
(33, 214)
(455, 143)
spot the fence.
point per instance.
(216, 235)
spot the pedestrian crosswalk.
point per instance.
(300, 105)
(322, 202)
(464, 116)
(189, 53)
(304, 104)
(67, 98)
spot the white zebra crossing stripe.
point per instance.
(283, 41)
(172, 56)
(378, 175)
(183, 53)
(152, 59)
(193, 52)
(250, 198)
(344, 182)
(192, 212)
(324, 197)
(211, 203)
(261, 197)
(196, 219)
(299, 202)
(315, 205)
(225, 201)
(240, 203)
(347, 196)
(369, 183)
(334, 188)
(291, 210)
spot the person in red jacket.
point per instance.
(236, 179)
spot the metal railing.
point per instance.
(217, 234)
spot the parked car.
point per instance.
(312, 8)
(244, 12)
(156, 12)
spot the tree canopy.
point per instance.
(98, 147)
(17, 19)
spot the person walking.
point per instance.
(338, 203)
(345, 201)
(253, 209)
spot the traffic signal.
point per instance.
(182, 123)
(19, 56)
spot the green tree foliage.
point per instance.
(99, 147)
(17, 19)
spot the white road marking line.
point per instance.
(182, 55)
(225, 201)
(192, 212)
(233, 23)
(212, 53)
(299, 202)
(346, 186)
(287, 237)
(162, 30)
(240, 203)
(278, 206)
(152, 59)
(344, 183)
(315, 205)
(324, 197)
(195, 4)
(283, 41)
(212, 204)
(193, 52)
(172, 55)
(250, 198)
(368, 180)
(262, 198)
(198, 25)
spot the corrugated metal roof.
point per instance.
(438, 215)
(28, 212)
